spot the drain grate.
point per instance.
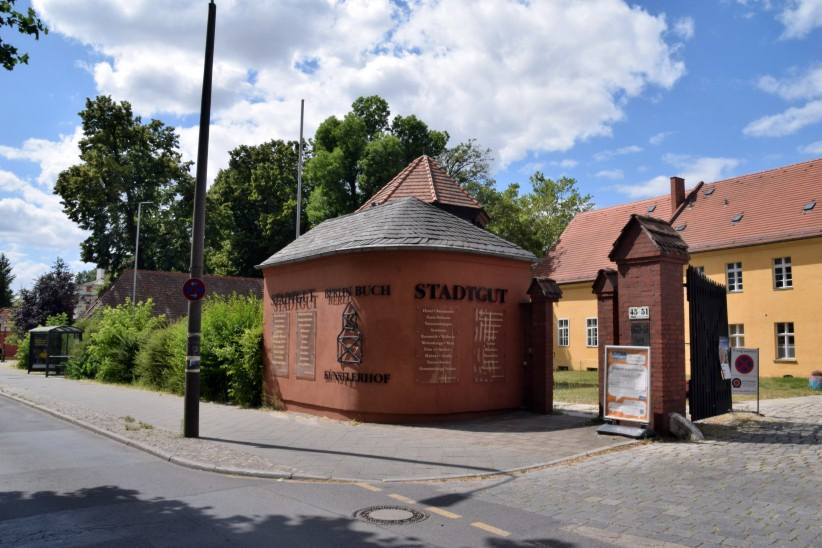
(390, 515)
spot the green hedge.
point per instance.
(111, 343)
(129, 344)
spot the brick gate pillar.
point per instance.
(650, 256)
(539, 375)
(605, 287)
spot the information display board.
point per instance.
(627, 383)
(745, 370)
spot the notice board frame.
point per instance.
(648, 393)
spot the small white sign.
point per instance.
(744, 370)
(639, 312)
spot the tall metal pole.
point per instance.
(191, 412)
(137, 254)
(300, 168)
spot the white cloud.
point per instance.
(806, 87)
(803, 86)
(658, 138)
(812, 148)
(693, 169)
(684, 28)
(608, 154)
(787, 122)
(53, 156)
(566, 163)
(800, 17)
(517, 76)
(610, 174)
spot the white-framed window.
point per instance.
(785, 341)
(737, 335)
(591, 332)
(700, 269)
(782, 275)
(562, 332)
(733, 274)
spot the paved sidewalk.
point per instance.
(301, 445)
(754, 482)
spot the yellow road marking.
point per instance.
(490, 529)
(443, 513)
(368, 487)
(401, 498)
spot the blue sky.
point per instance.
(618, 95)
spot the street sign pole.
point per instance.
(191, 412)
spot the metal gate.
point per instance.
(708, 393)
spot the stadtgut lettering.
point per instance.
(456, 292)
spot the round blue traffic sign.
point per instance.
(194, 289)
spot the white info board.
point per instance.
(745, 370)
(627, 383)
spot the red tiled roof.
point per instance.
(166, 290)
(771, 203)
(426, 180)
(586, 242)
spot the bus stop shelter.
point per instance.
(49, 347)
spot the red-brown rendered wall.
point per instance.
(390, 335)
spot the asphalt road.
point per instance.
(61, 484)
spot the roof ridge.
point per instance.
(763, 171)
(427, 160)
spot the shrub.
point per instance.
(22, 355)
(58, 319)
(231, 353)
(225, 375)
(161, 360)
(79, 365)
(112, 347)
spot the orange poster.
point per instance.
(628, 383)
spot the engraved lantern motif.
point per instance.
(349, 341)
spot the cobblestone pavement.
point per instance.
(304, 445)
(755, 481)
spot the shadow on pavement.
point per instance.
(511, 422)
(349, 454)
(112, 516)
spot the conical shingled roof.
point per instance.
(427, 181)
(403, 224)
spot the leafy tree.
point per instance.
(53, 293)
(469, 164)
(251, 207)
(6, 278)
(85, 276)
(125, 162)
(26, 23)
(534, 220)
(356, 155)
(550, 206)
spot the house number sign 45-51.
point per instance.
(639, 312)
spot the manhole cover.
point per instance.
(389, 515)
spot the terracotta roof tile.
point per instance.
(771, 204)
(586, 242)
(425, 180)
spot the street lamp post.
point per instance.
(137, 253)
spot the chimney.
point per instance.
(677, 192)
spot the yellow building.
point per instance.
(758, 234)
